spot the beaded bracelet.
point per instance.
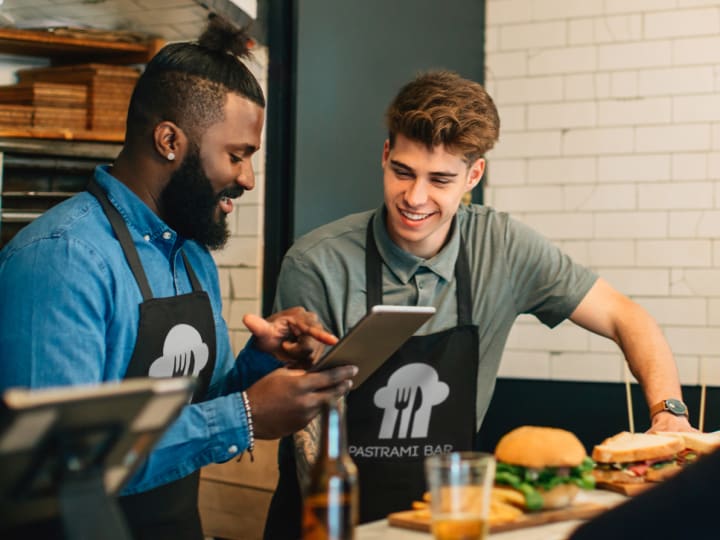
(251, 430)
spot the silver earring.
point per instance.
(171, 156)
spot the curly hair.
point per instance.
(187, 83)
(442, 108)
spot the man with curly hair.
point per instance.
(119, 282)
(479, 268)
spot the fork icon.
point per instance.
(402, 400)
(182, 365)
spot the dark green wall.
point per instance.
(593, 411)
(351, 59)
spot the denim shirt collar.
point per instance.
(139, 218)
(405, 265)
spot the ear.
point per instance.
(386, 152)
(475, 174)
(170, 142)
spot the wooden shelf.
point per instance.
(61, 134)
(72, 50)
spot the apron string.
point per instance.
(373, 269)
(121, 231)
(194, 281)
(462, 286)
(123, 235)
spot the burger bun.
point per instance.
(538, 447)
(559, 496)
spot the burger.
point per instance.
(547, 465)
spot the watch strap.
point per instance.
(663, 406)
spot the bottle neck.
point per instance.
(334, 444)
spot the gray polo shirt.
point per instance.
(513, 270)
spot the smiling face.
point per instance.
(423, 190)
(199, 196)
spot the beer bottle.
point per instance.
(330, 507)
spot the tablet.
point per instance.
(374, 339)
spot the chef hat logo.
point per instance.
(407, 400)
(184, 353)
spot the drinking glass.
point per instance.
(460, 485)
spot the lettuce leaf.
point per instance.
(530, 481)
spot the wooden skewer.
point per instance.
(701, 421)
(628, 398)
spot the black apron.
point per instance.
(176, 337)
(420, 402)
(393, 476)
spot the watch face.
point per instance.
(675, 406)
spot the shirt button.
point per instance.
(146, 237)
(166, 235)
(233, 449)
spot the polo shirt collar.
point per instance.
(405, 265)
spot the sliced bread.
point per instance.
(626, 447)
(702, 443)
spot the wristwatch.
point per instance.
(673, 406)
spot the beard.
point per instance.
(191, 207)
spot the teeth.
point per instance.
(414, 217)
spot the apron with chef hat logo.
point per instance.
(176, 337)
(420, 402)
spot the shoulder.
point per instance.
(479, 223)
(486, 222)
(339, 236)
(75, 224)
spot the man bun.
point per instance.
(539, 447)
(222, 36)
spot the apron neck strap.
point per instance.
(194, 281)
(462, 286)
(373, 269)
(373, 277)
(123, 235)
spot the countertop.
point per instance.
(380, 530)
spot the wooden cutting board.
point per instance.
(412, 519)
(626, 489)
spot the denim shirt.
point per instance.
(69, 316)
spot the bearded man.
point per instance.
(119, 282)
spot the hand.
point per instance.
(665, 421)
(294, 336)
(285, 400)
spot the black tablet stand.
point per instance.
(65, 454)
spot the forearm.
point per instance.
(213, 431)
(648, 355)
(650, 360)
(608, 313)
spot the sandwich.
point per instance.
(696, 444)
(634, 458)
(547, 465)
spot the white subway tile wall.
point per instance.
(610, 146)
(240, 262)
(611, 150)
